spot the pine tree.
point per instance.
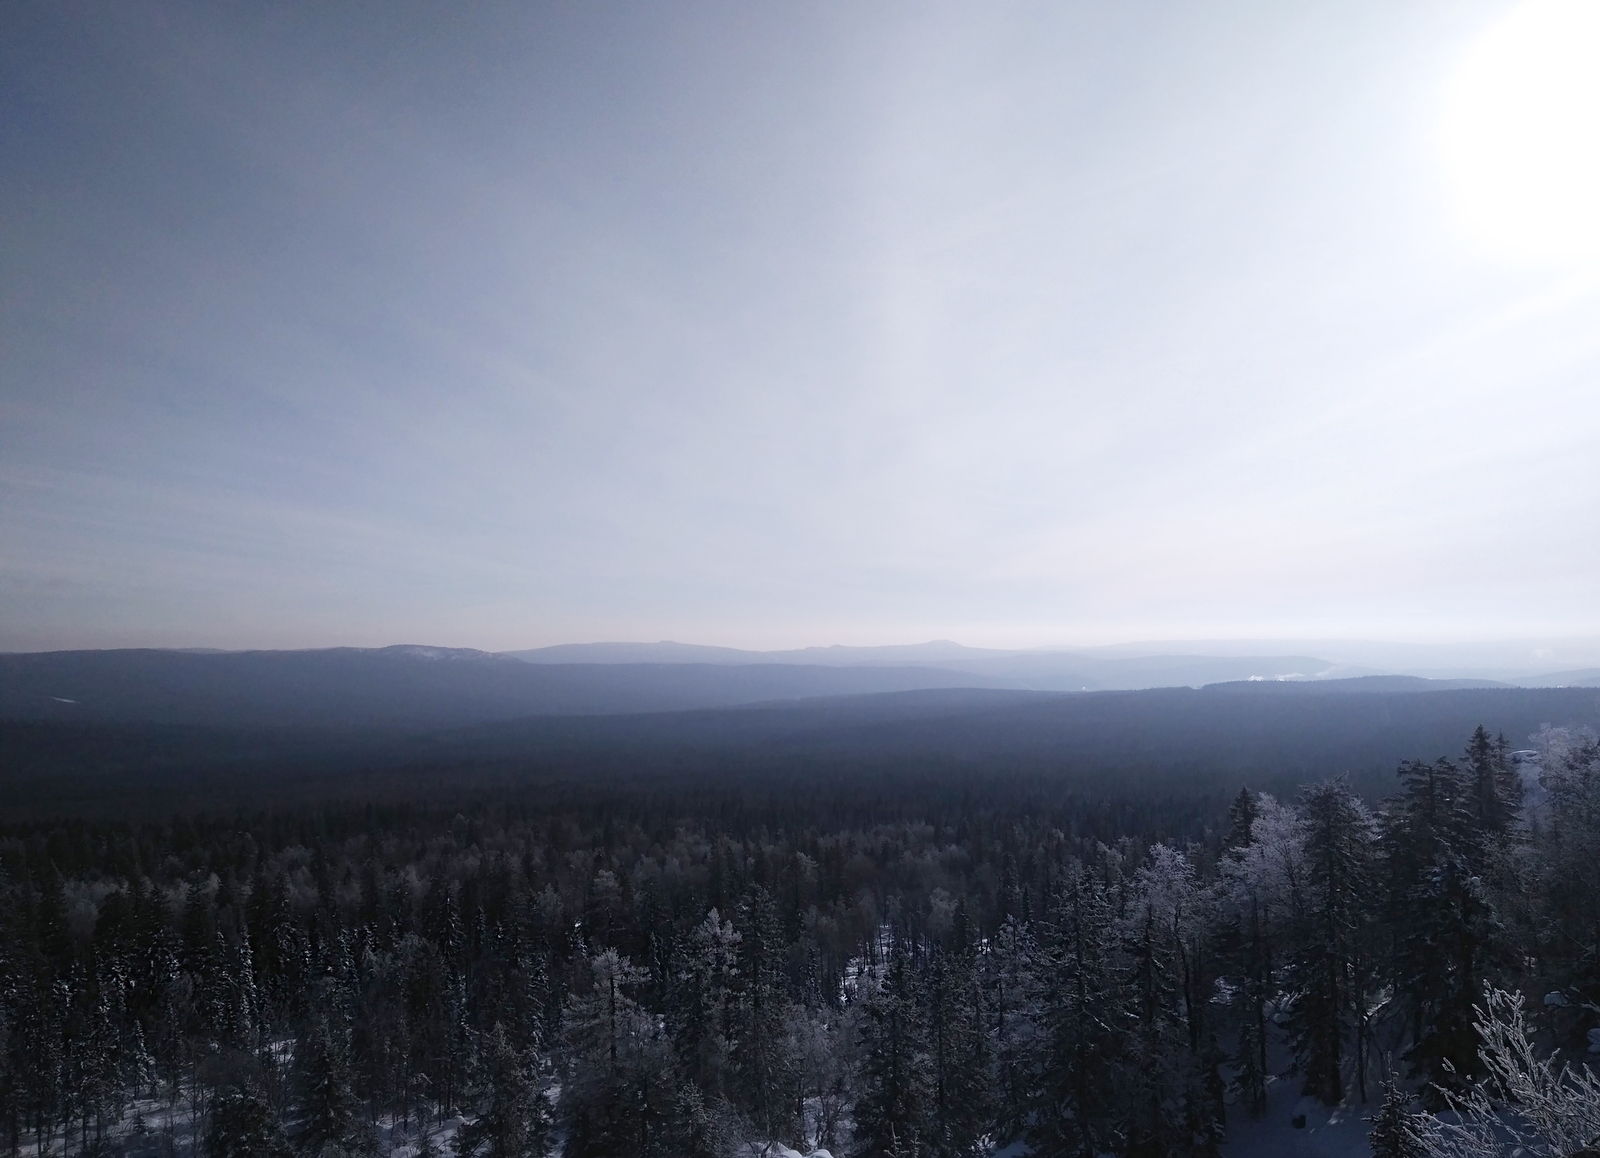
(39, 1061)
(1458, 922)
(1568, 860)
(694, 1131)
(101, 1080)
(1250, 1073)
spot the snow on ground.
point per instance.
(775, 1150)
(162, 1127)
(1336, 1133)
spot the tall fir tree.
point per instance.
(1493, 785)
(1260, 891)
(763, 1074)
(1242, 815)
(1084, 1020)
(1568, 862)
(624, 1093)
(1444, 926)
(959, 1115)
(700, 1000)
(512, 1118)
(1014, 972)
(242, 1124)
(324, 1081)
(1329, 965)
(891, 1110)
(1394, 1132)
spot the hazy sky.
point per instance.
(784, 324)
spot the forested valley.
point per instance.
(937, 974)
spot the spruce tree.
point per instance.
(892, 1102)
(1242, 814)
(622, 1092)
(1260, 892)
(1443, 922)
(243, 1124)
(959, 1112)
(1457, 920)
(1250, 1073)
(1160, 1063)
(1568, 861)
(1494, 788)
(1014, 972)
(1327, 964)
(1076, 1111)
(763, 1074)
(325, 1083)
(700, 1000)
(1394, 1133)
(513, 1119)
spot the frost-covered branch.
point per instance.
(1525, 1106)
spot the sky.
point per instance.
(504, 325)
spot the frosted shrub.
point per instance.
(1525, 1105)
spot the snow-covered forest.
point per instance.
(943, 977)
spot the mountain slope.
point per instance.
(1588, 677)
(937, 653)
(1357, 685)
(1064, 670)
(414, 688)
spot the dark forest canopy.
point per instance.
(1114, 745)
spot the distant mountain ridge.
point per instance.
(1038, 670)
(1121, 667)
(938, 652)
(408, 686)
(413, 687)
(1358, 685)
(1582, 678)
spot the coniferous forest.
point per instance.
(930, 973)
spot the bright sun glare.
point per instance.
(1522, 133)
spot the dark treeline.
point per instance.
(848, 750)
(904, 969)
